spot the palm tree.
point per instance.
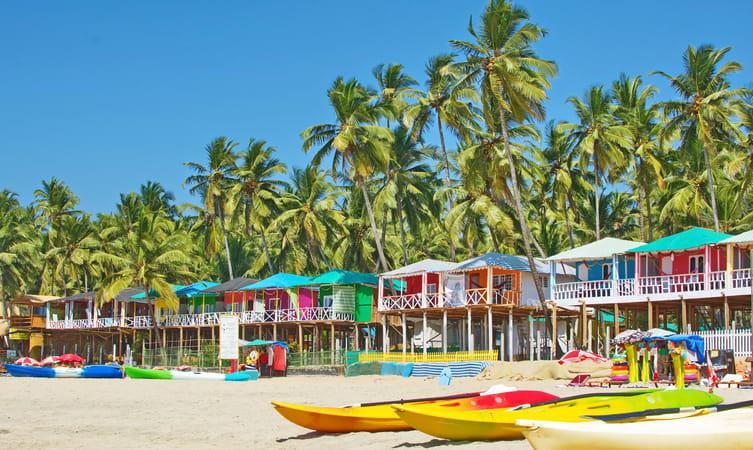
(705, 109)
(562, 178)
(405, 183)
(513, 85)
(18, 249)
(644, 126)
(356, 141)
(72, 251)
(151, 255)
(393, 84)
(445, 99)
(601, 139)
(155, 197)
(213, 182)
(308, 219)
(256, 188)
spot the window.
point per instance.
(606, 271)
(474, 280)
(503, 282)
(544, 280)
(696, 264)
(431, 288)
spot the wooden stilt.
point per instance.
(616, 319)
(405, 334)
(385, 335)
(444, 331)
(650, 312)
(489, 329)
(684, 315)
(554, 332)
(470, 331)
(423, 334)
(332, 340)
(725, 312)
(300, 337)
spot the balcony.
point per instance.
(206, 319)
(664, 287)
(435, 300)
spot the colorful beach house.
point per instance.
(470, 298)
(697, 279)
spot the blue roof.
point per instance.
(153, 293)
(280, 281)
(510, 262)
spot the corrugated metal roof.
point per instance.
(280, 281)
(426, 265)
(510, 262)
(601, 249)
(742, 238)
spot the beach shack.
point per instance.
(233, 298)
(28, 320)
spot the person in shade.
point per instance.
(263, 364)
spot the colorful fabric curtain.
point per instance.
(344, 299)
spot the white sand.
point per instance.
(72, 413)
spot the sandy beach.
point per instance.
(72, 413)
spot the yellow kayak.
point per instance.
(499, 424)
(383, 417)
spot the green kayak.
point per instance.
(153, 374)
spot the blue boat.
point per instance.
(96, 371)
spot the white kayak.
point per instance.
(726, 430)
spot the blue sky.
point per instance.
(108, 95)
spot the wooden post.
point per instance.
(616, 313)
(385, 335)
(356, 344)
(730, 266)
(489, 329)
(684, 315)
(444, 331)
(405, 333)
(583, 325)
(180, 345)
(489, 285)
(143, 349)
(706, 267)
(554, 332)
(300, 338)
(332, 340)
(274, 331)
(470, 331)
(423, 334)
(424, 282)
(650, 312)
(726, 312)
(531, 347)
(509, 334)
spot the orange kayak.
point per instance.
(383, 417)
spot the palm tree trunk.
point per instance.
(597, 196)
(712, 191)
(641, 204)
(221, 215)
(374, 230)
(568, 225)
(522, 219)
(265, 247)
(650, 222)
(402, 228)
(447, 179)
(155, 325)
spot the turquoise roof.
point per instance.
(181, 290)
(279, 281)
(684, 240)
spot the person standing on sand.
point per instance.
(263, 360)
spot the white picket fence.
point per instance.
(735, 339)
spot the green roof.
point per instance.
(345, 277)
(685, 240)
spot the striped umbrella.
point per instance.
(50, 360)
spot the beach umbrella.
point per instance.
(26, 361)
(576, 356)
(70, 358)
(658, 333)
(628, 337)
(50, 360)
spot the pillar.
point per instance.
(300, 338)
(405, 333)
(637, 287)
(531, 347)
(489, 285)
(730, 266)
(616, 313)
(726, 312)
(180, 345)
(470, 331)
(385, 335)
(706, 267)
(552, 278)
(509, 334)
(489, 329)
(615, 274)
(423, 334)
(583, 325)
(554, 332)
(332, 340)
(274, 331)
(650, 312)
(444, 331)
(380, 292)
(683, 316)
(424, 282)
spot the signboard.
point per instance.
(454, 290)
(229, 324)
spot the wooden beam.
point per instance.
(554, 332)
(650, 313)
(683, 316)
(616, 313)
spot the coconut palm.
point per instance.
(257, 188)
(513, 82)
(444, 99)
(213, 182)
(356, 142)
(705, 109)
(72, 251)
(646, 151)
(393, 84)
(18, 248)
(601, 139)
(308, 220)
(151, 255)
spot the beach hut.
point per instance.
(28, 320)
(234, 299)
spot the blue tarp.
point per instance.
(279, 281)
(459, 369)
(402, 369)
(693, 342)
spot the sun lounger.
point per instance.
(579, 380)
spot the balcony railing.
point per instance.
(663, 286)
(206, 319)
(478, 296)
